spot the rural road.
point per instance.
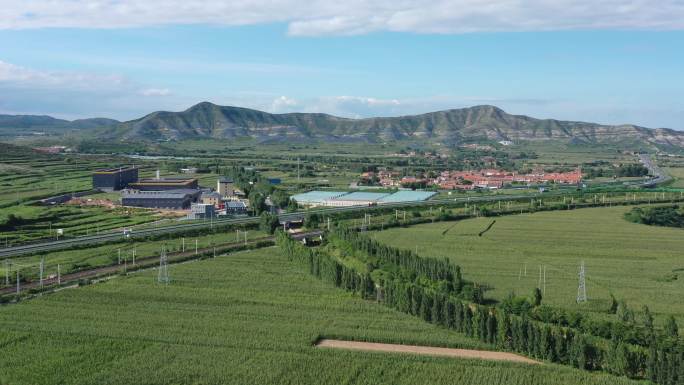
(424, 350)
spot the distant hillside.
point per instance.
(10, 151)
(15, 125)
(206, 120)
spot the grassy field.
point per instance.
(638, 263)
(70, 260)
(246, 318)
(24, 179)
(678, 174)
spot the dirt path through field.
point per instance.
(426, 350)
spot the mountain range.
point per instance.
(206, 120)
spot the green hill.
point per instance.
(206, 120)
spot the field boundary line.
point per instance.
(425, 350)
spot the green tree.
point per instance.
(312, 220)
(671, 328)
(268, 223)
(537, 297)
(613, 304)
(257, 201)
(280, 198)
(623, 313)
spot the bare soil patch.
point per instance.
(426, 350)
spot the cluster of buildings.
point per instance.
(172, 193)
(343, 199)
(468, 180)
(495, 179)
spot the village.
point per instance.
(469, 180)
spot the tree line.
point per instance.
(410, 284)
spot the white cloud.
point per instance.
(321, 17)
(155, 92)
(284, 104)
(17, 76)
(78, 94)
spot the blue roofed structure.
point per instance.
(407, 196)
(316, 197)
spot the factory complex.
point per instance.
(172, 193)
(343, 199)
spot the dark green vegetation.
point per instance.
(433, 290)
(483, 123)
(669, 216)
(248, 318)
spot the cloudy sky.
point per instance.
(613, 61)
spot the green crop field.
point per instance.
(246, 318)
(104, 255)
(678, 174)
(637, 263)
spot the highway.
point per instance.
(659, 176)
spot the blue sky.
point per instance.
(78, 64)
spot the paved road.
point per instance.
(659, 176)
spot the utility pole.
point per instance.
(539, 284)
(133, 256)
(119, 256)
(42, 266)
(195, 246)
(59, 276)
(184, 244)
(18, 286)
(582, 288)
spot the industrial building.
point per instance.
(343, 199)
(236, 207)
(211, 198)
(113, 179)
(169, 199)
(225, 186)
(164, 184)
(201, 211)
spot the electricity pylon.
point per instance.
(163, 274)
(582, 288)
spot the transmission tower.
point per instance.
(163, 274)
(582, 288)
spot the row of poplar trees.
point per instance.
(662, 362)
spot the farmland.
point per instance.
(636, 263)
(97, 256)
(247, 318)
